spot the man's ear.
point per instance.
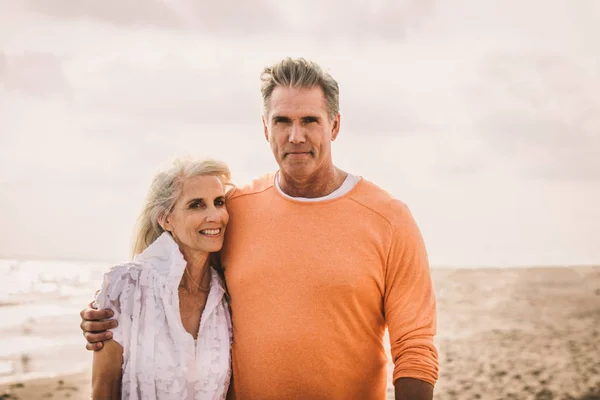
(265, 129)
(336, 127)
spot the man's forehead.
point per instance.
(289, 102)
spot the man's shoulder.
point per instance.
(255, 186)
(380, 201)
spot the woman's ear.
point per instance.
(164, 222)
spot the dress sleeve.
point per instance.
(116, 294)
(409, 303)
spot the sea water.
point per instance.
(39, 316)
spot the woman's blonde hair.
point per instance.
(164, 192)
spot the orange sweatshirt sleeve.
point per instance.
(409, 302)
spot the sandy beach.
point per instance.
(527, 333)
(72, 387)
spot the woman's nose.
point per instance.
(213, 215)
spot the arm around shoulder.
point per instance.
(116, 295)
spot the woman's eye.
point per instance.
(220, 203)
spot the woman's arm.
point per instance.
(106, 371)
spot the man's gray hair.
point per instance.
(299, 73)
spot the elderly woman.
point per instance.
(174, 334)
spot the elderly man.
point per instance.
(318, 263)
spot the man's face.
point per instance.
(300, 131)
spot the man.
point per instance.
(318, 262)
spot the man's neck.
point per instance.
(319, 185)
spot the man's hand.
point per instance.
(413, 389)
(94, 324)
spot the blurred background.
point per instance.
(482, 116)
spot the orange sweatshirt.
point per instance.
(313, 286)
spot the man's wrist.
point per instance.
(413, 389)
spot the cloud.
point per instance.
(389, 118)
(393, 112)
(541, 114)
(389, 18)
(178, 14)
(34, 73)
(176, 91)
(544, 148)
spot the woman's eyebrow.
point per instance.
(197, 199)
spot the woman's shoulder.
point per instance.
(131, 271)
(122, 280)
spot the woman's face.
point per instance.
(199, 217)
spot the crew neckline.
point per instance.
(346, 187)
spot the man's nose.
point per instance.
(297, 134)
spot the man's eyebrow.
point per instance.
(283, 118)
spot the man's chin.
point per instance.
(296, 169)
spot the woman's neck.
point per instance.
(196, 275)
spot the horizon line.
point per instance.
(73, 260)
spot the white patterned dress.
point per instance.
(161, 360)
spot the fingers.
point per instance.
(89, 314)
(94, 346)
(95, 337)
(97, 326)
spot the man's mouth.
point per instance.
(211, 232)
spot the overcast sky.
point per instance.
(482, 116)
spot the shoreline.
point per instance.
(72, 386)
(8, 380)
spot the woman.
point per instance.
(174, 335)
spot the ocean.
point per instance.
(39, 316)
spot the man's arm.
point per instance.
(95, 325)
(413, 389)
(410, 310)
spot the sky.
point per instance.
(482, 116)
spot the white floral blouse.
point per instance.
(161, 360)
